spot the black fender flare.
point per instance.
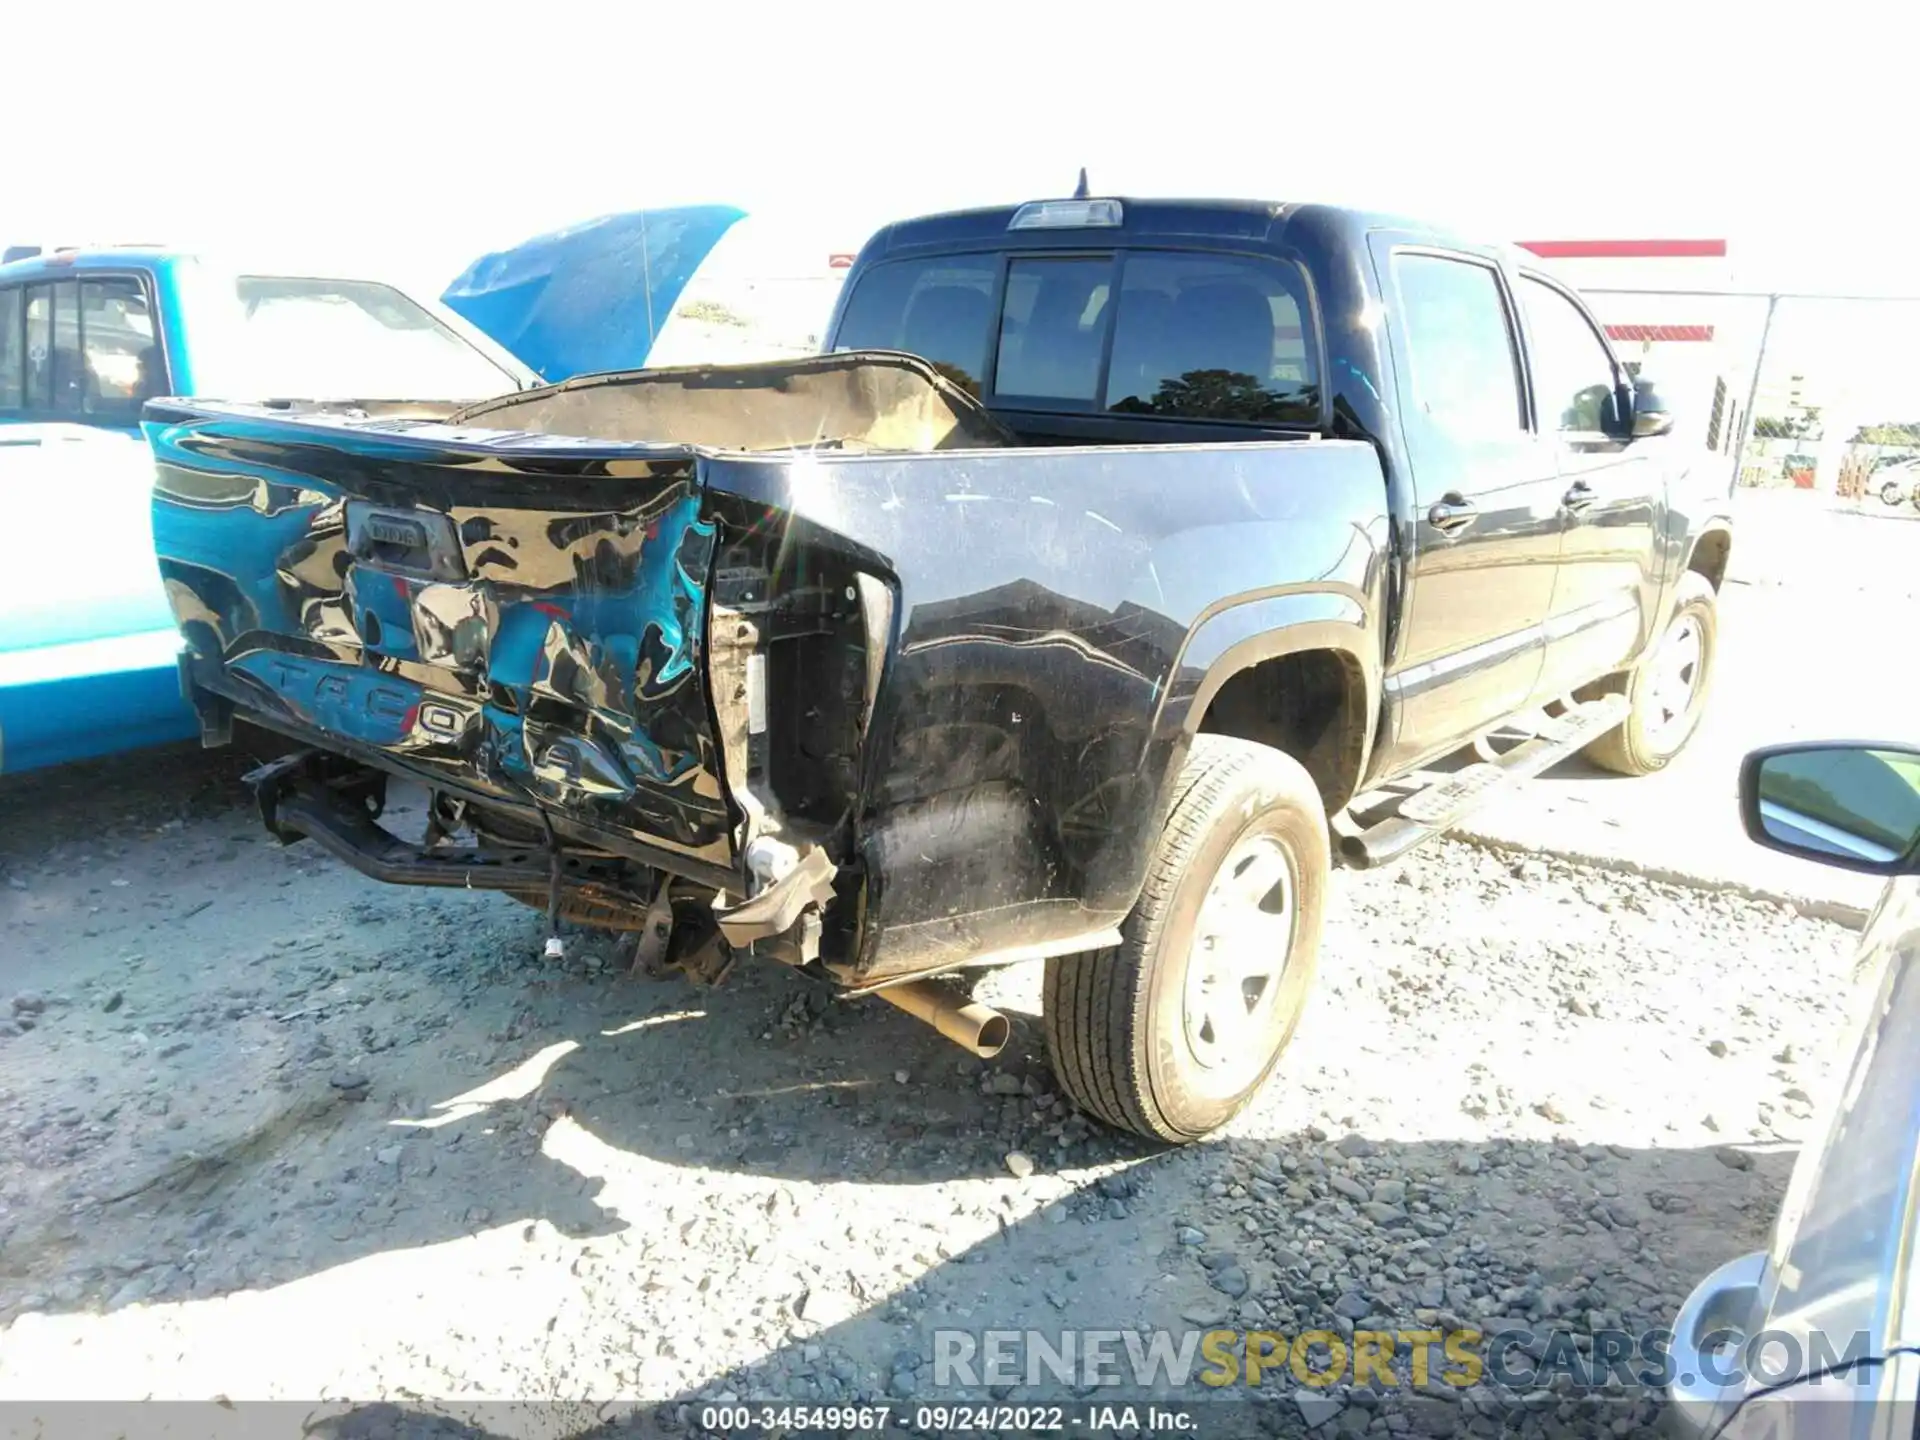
(1715, 528)
(1239, 635)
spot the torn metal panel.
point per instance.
(778, 908)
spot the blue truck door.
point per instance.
(86, 637)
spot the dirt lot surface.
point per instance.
(271, 1131)
(1818, 596)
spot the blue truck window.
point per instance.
(1212, 337)
(13, 348)
(1053, 328)
(68, 371)
(121, 351)
(42, 345)
(940, 310)
(339, 338)
(83, 347)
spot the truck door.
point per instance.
(1607, 585)
(76, 473)
(1487, 516)
(80, 589)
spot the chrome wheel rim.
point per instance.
(1675, 678)
(1242, 939)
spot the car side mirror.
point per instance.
(1649, 409)
(1847, 804)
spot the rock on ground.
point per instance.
(250, 1095)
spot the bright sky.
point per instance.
(441, 133)
(423, 134)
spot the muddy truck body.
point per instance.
(1119, 564)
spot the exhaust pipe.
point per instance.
(978, 1029)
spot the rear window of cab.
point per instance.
(1185, 335)
(79, 347)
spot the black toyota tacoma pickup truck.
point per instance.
(1120, 563)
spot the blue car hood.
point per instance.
(591, 297)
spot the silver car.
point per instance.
(1820, 1333)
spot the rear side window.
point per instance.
(940, 310)
(1178, 335)
(13, 348)
(1459, 341)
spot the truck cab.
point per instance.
(88, 641)
(1537, 541)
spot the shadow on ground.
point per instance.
(427, 1075)
(424, 1079)
(1542, 1258)
(183, 781)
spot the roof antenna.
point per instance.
(1080, 191)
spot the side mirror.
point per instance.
(1851, 805)
(1650, 413)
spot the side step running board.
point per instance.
(1445, 803)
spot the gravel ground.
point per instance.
(271, 1131)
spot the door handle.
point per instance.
(1451, 514)
(1579, 497)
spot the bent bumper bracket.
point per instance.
(778, 908)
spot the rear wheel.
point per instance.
(1667, 691)
(1170, 1033)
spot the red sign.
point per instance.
(1659, 332)
(1626, 249)
(840, 260)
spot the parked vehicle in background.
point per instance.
(1179, 531)
(593, 296)
(1899, 483)
(88, 641)
(694, 284)
(1830, 1311)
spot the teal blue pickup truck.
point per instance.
(88, 640)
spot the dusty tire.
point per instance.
(1657, 729)
(1131, 1030)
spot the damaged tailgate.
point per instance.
(516, 601)
(517, 616)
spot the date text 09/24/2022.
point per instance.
(943, 1419)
